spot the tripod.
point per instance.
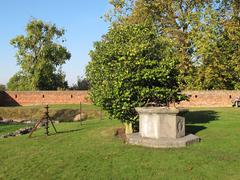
(45, 120)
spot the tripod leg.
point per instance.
(53, 125)
(35, 127)
(46, 127)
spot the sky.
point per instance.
(80, 18)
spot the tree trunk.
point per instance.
(128, 128)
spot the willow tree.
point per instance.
(132, 66)
(40, 56)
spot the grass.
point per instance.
(65, 112)
(91, 151)
(56, 106)
(4, 129)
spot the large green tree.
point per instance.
(231, 34)
(206, 33)
(132, 66)
(216, 41)
(173, 19)
(40, 56)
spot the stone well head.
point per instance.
(161, 122)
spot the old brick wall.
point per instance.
(214, 98)
(44, 97)
(197, 98)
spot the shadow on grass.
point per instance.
(63, 132)
(68, 131)
(52, 133)
(199, 117)
(193, 129)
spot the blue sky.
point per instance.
(81, 19)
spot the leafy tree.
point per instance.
(231, 34)
(173, 19)
(40, 57)
(132, 66)
(206, 33)
(18, 82)
(82, 84)
(206, 38)
(2, 87)
(216, 42)
(122, 8)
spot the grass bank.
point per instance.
(91, 151)
(57, 112)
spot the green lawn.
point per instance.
(91, 151)
(4, 129)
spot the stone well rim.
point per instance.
(161, 110)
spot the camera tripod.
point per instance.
(45, 121)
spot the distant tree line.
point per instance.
(82, 84)
(2, 87)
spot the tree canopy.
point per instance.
(82, 84)
(40, 56)
(207, 35)
(132, 66)
(155, 48)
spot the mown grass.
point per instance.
(91, 151)
(4, 129)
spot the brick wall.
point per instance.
(44, 97)
(210, 98)
(197, 98)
